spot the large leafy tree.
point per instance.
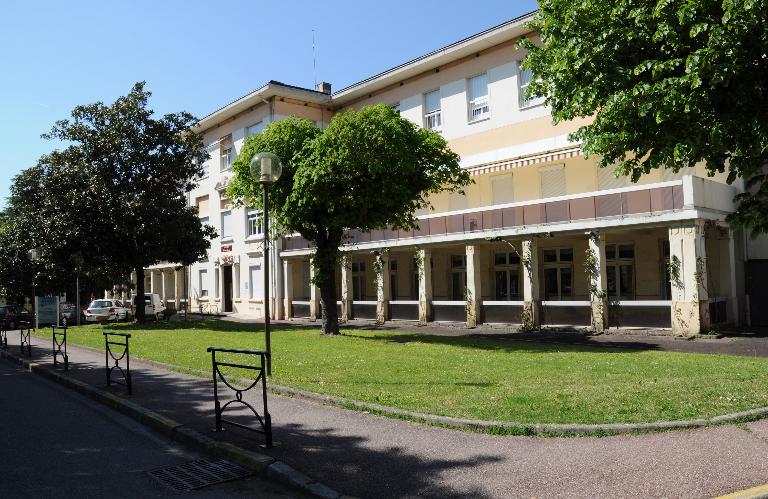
(368, 169)
(117, 195)
(668, 83)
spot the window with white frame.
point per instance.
(255, 227)
(620, 268)
(358, 281)
(526, 77)
(458, 277)
(506, 268)
(253, 129)
(479, 107)
(255, 281)
(203, 283)
(558, 273)
(226, 224)
(432, 117)
(227, 158)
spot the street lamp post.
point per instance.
(266, 169)
(34, 256)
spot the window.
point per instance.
(432, 118)
(226, 159)
(506, 270)
(203, 283)
(606, 178)
(255, 227)
(255, 281)
(206, 170)
(457, 201)
(226, 224)
(558, 273)
(458, 277)
(478, 98)
(526, 77)
(502, 188)
(620, 267)
(216, 282)
(358, 281)
(253, 129)
(393, 294)
(552, 181)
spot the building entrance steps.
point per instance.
(371, 456)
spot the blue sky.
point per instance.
(197, 56)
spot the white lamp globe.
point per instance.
(266, 167)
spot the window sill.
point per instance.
(203, 298)
(228, 239)
(524, 107)
(256, 238)
(478, 120)
(258, 302)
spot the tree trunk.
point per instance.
(139, 299)
(325, 264)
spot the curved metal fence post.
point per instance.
(24, 338)
(110, 340)
(265, 421)
(59, 346)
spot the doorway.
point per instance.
(227, 270)
(757, 274)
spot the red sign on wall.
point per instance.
(226, 248)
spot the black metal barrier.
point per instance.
(266, 421)
(25, 331)
(110, 340)
(59, 346)
(4, 334)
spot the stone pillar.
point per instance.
(598, 281)
(383, 286)
(346, 287)
(314, 295)
(690, 302)
(474, 291)
(733, 295)
(153, 286)
(178, 287)
(531, 296)
(287, 287)
(424, 268)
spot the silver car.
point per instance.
(105, 311)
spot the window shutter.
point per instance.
(458, 201)
(552, 182)
(432, 101)
(478, 87)
(503, 189)
(606, 179)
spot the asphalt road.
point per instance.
(56, 443)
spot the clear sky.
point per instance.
(197, 56)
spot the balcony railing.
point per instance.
(433, 120)
(479, 109)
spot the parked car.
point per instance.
(153, 305)
(105, 310)
(9, 314)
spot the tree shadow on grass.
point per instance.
(353, 452)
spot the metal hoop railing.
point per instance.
(59, 346)
(110, 339)
(4, 334)
(265, 421)
(25, 337)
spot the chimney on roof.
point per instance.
(323, 87)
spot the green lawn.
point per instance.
(492, 379)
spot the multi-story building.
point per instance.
(537, 237)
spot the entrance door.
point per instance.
(227, 288)
(757, 276)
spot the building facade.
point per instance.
(542, 237)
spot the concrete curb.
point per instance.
(531, 428)
(265, 466)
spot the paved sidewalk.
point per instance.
(370, 456)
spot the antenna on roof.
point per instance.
(314, 59)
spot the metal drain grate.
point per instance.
(199, 474)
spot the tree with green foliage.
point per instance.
(668, 83)
(117, 194)
(369, 169)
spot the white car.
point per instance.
(153, 305)
(105, 311)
